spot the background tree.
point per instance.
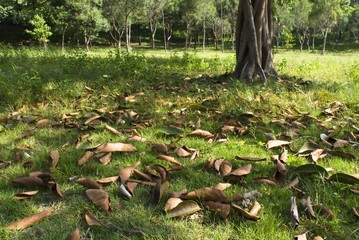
(300, 12)
(353, 21)
(206, 11)
(61, 15)
(254, 36)
(327, 14)
(170, 16)
(153, 13)
(120, 14)
(187, 10)
(230, 10)
(41, 31)
(90, 19)
(284, 23)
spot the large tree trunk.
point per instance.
(254, 34)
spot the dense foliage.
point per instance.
(188, 23)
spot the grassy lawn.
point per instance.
(47, 97)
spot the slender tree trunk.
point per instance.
(63, 32)
(195, 39)
(164, 30)
(188, 34)
(325, 40)
(215, 36)
(204, 35)
(63, 40)
(139, 35)
(87, 40)
(128, 37)
(153, 28)
(222, 27)
(254, 37)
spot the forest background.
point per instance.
(310, 24)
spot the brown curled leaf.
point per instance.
(29, 221)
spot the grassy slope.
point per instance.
(29, 76)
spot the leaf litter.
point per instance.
(158, 177)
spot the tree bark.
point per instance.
(254, 35)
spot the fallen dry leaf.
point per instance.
(25, 195)
(172, 203)
(108, 180)
(208, 163)
(89, 183)
(283, 156)
(184, 208)
(181, 152)
(222, 186)
(307, 204)
(131, 186)
(276, 143)
(137, 139)
(99, 198)
(225, 168)
(301, 237)
(160, 148)
(308, 147)
(201, 133)
(159, 190)
(217, 164)
(143, 175)
(106, 159)
(127, 172)
(4, 164)
(252, 159)
(91, 220)
(355, 212)
(162, 171)
(115, 147)
(55, 189)
(323, 210)
(294, 215)
(221, 209)
(54, 158)
(316, 155)
(264, 180)
(111, 129)
(91, 119)
(76, 234)
(244, 213)
(30, 181)
(242, 171)
(206, 194)
(293, 183)
(29, 221)
(80, 139)
(84, 158)
(168, 159)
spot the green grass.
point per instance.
(47, 84)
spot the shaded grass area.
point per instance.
(48, 84)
